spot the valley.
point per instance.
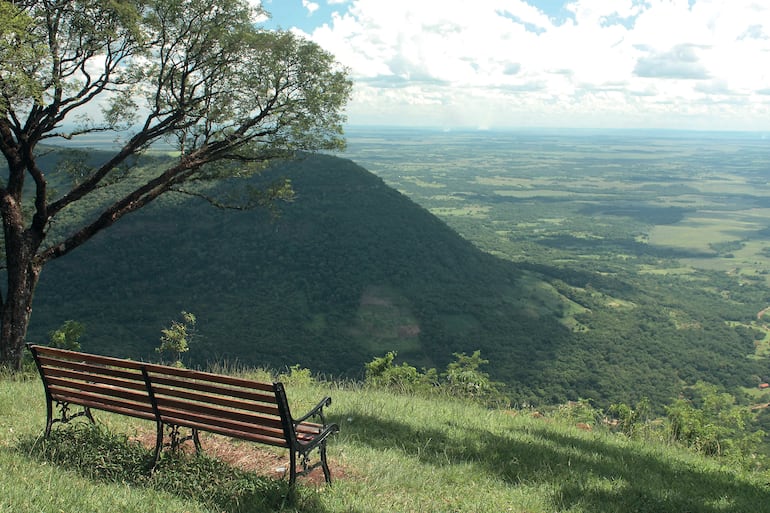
(608, 267)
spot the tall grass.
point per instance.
(395, 453)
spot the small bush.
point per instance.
(462, 379)
(297, 376)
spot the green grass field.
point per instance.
(395, 453)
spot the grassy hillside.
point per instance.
(394, 453)
(352, 269)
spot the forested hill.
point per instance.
(352, 269)
(347, 271)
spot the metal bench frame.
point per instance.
(182, 398)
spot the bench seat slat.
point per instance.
(232, 433)
(309, 428)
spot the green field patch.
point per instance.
(474, 211)
(749, 260)
(446, 197)
(701, 232)
(542, 299)
(618, 304)
(683, 321)
(422, 183)
(727, 183)
(664, 271)
(509, 181)
(761, 345)
(535, 193)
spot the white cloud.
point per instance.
(310, 6)
(695, 64)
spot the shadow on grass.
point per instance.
(100, 455)
(582, 473)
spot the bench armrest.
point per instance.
(306, 447)
(318, 410)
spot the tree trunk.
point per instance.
(16, 312)
(22, 273)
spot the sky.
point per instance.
(669, 64)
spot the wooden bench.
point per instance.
(181, 398)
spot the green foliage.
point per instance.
(463, 378)
(67, 336)
(710, 422)
(20, 57)
(632, 421)
(175, 340)
(381, 372)
(297, 376)
(578, 412)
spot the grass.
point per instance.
(394, 453)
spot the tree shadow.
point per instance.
(583, 473)
(101, 456)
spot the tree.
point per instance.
(176, 339)
(464, 378)
(67, 336)
(230, 97)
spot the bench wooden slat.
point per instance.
(84, 377)
(250, 436)
(86, 357)
(246, 417)
(122, 373)
(217, 400)
(309, 428)
(193, 375)
(212, 388)
(130, 394)
(110, 404)
(306, 437)
(220, 425)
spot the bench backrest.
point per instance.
(98, 382)
(220, 404)
(226, 405)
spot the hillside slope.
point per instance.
(394, 453)
(352, 269)
(349, 270)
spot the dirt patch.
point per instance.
(251, 457)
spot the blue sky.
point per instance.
(687, 64)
